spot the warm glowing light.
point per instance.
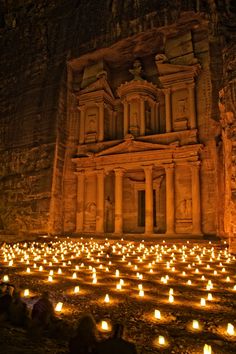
(76, 289)
(157, 314)
(118, 286)
(107, 299)
(209, 297)
(141, 293)
(41, 268)
(230, 329)
(207, 349)
(58, 307)
(189, 282)
(171, 298)
(171, 291)
(74, 276)
(105, 326)
(195, 324)
(59, 271)
(161, 340)
(140, 286)
(6, 278)
(51, 272)
(203, 302)
(26, 292)
(50, 278)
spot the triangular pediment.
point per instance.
(98, 85)
(130, 145)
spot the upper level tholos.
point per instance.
(113, 103)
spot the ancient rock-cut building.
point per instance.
(119, 117)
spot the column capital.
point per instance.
(147, 168)
(82, 108)
(167, 91)
(169, 167)
(195, 165)
(79, 172)
(100, 171)
(119, 171)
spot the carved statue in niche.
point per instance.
(108, 214)
(185, 209)
(182, 109)
(90, 216)
(137, 70)
(91, 125)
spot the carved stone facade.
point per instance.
(138, 159)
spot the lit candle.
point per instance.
(59, 271)
(74, 276)
(203, 302)
(6, 278)
(26, 292)
(141, 293)
(161, 340)
(118, 286)
(51, 272)
(207, 349)
(107, 299)
(195, 324)
(171, 298)
(157, 314)
(230, 329)
(58, 307)
(76, 289)
(50, 278)
(105, 326)
(209, 297)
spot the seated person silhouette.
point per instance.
(116, 344)
(43, 311)
(85, 339)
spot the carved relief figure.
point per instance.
(137, 70)
(109, 214)
(185, 209)
(90, 216)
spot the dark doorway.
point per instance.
(141, 208)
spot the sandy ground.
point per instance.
(200, 260)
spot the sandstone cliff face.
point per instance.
(38, 37)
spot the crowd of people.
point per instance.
(43, 320)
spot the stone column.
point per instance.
(80, 201)
(170, 199)
(101, 122)
(119, 172)
(167, 93)
(100, 201)
(142, 116)
(126, 118)
(82, 124)
(192, 108)
(196, 200)
(148, 200)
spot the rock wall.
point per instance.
(38, 113)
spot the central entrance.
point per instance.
(141, 208)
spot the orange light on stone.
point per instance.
(58, 307)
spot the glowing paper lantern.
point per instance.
(6, 278)
(26, 292)
(76, 289)
(50, 278)
(171, 298)
(105, 326)
(141, 293)
(203, 302)
(107, 299)
(230, 329)
(207, 349)
(157, 314)
(58, 307)
(195, 324)
(209, 297)
(161, 340)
